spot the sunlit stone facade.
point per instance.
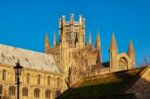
(41, 77)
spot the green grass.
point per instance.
(114, 84)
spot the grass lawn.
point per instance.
(116, 83)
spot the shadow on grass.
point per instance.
(112, 87)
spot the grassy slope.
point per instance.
(114, 84)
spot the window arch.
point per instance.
(28, 78)
(12, 90)
(4, 75)
(25, 91)
(47, 93)
(58, 82)
(123, 64)
(48, 80)
(39, 79)
(1, 89)
(36, 92)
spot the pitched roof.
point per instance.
(35, 60)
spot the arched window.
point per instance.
(1, 89)
(123, 64)
(47, 94)
(4, 75)
(39, 79)
(58, 92)
(28, 78)
(58, 82)
(36, 92)
(24, 91)
(12, 90)
(48, 80)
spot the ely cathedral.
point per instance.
(77, 56)
(46, 75)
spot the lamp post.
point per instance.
(18, 69)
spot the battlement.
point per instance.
(72, 21)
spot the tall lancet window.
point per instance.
(28, 78)
(48, 80)
(4, 75)
(39, 79)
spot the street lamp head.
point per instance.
(18, 68)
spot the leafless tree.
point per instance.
(83, 60)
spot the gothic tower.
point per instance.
(113, 53)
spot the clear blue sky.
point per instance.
(23, 23)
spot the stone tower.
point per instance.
(71, 39)
(72, 33)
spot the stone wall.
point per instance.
(32, 84)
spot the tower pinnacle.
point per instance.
(113, 45)
(90, 39)
(47, 44)
(131, 53)
(54, 39)
(98, 42)
(130, 49)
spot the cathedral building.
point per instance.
(46, 75)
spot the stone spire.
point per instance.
(98, 42)
(113, 54)
(90, 39)
(130, 49)
(113, 45)
(54, 42)
(47, 44)
(131, 53)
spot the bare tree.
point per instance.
(83, 60)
